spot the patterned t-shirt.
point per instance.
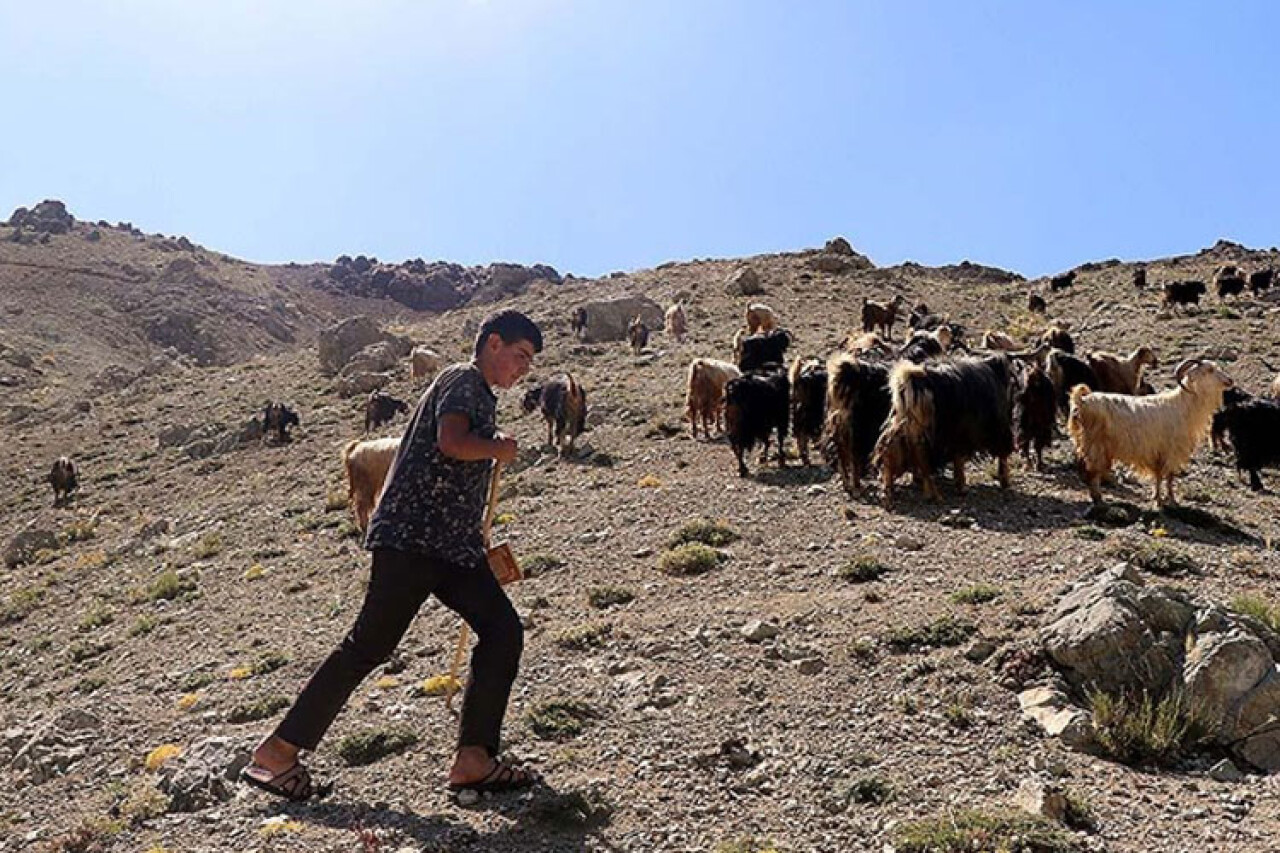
(433, 504)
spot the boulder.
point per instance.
(337, 344)
(607, 320)
(360, 382)
(1042, 799)
(838, 246)
(25, 544)
(55, 747)
(1054, 713)
(48, 217)
(743, 281)
(205, 773)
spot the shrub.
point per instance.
(144, 625)
(572, 810)
(1140, 730)
(81, 652)
(1155, 557)
(943, 631)
(604, 597)
(1259, 608)
(870, 790)
(717, 534)
(368, 747)
(20, 604)
(99, 617)
(589, 635)
(979, 593)
(210, 545)
(539, 564)
(161, 755)
(692, 558)
(168, 586)
(439, 685)
(80, 530)
(259, 709)
(862, 569)
(970, 830)
(560, 719)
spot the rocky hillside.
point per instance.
(829, 676)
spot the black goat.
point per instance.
(947, 413)
(564, 407)
(808, 403)
(1252, 427)
(1036, 409)
(756, 405)
(381, 408)
(1062, 281)
(1066, 372)
(857, 406)
(277, 418)
(1260, 280)
(1036, 303)
(64, 478)
(1175, 293)
(1233, 396)
(764, 348)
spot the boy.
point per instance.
(425, 538)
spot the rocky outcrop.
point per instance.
(607, 320)
(1113, 633)
(436, 286)
(48, 217)
(743, 281)
(337, 344)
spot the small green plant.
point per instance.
(99, 617)
(957, 715)
(1227, 313)
(1155, 557)
(717, 534)
(560, 719)
(210, 545)
(604, 597)
(83, 651)
(870, 790)
(269, 662)
(89, 684)
(20, 604)
(536, 565)
(1140, 730)
(194, 681)
(943, 631)
(144, 802)
(1090, 533)
(1080, 814)
(258, 709)
(979, 593)
(143, 626)
(367, 747)
(80, 530)
(1259, 608)
(862, 569)
(692, 558)
(589, 635)
(168, 586)
(970, 830)
(863, 648)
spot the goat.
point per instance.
(423, 361)
(946, 413)
(367, 464)
(1139, 278)
(921, 320)
(760, 318)
(869, 345)
(1260, 280)
(1154, 435)
(755, 406)
(1175, 293)
(922, 346)
(808, 380)
(674, 322)
(1062, 281)
(1218, 426)
(1252, 426)
(858, 404)
(64, 477)
(881, 315)
(578, 322)
(765, 348)
(704, 393)
(1066, 372)
(999, 341)
(381, 408)
(1036, 408)
(1057, 336)
(1036, 303)
(563, 402)
(277, 418)
(637, 335)
(1121, 375)
(1228, 281)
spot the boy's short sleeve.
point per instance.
(461, 397)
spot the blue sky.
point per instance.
(598, 135)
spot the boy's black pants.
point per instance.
(400, 583)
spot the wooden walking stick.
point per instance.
(502, 562)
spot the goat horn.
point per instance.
(1184, 367)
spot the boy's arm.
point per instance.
(455, 440)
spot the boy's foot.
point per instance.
(501, 777)
(293, 784)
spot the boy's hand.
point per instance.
(506, 449)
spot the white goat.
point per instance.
(760, 318)
(1154, 435)
(704, 393)
(367, 464)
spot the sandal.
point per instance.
(293, 784)
(503, 777)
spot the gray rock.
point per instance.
(204, 774)
(607, 320)
(1052, 710)
(336, 345)
(25, 544)
(1041, 798)
(980, 650)
(1220, 670)
(758, 630)
(57, 746)
(743, 281)
(1225, 771)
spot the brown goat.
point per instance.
(1121, 374)
(881, 315)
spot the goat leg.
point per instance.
(957, 467)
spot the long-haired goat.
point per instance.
(1058, 336)
(1066, 372)
(1154, 435)
(704, 393)
(563, 402)
(674, 322)
(869, 345)
(366, 464)
(808, 402)
(637, 335)
(1260, 280)
(64, 478)
(1228, 280)
(1121, 374)
(764, 349)
(1218, 426)
(755, 405)
(1252, 427)
(922, 346)
(999, 341)
(1036, 415)
(858, 404)
(760, 318)
(946, 413)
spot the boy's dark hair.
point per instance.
(511, 326)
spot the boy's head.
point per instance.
(505, 346)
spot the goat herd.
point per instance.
(933, 402)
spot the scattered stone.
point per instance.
(811, 666)
(205, 773)
(1052, 710)
(468, 798)
(980, 650)
(743, 282)
(57, 746)
(758, 630)
(906, 542)
(1225, 771)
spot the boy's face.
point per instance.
(510, 362)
